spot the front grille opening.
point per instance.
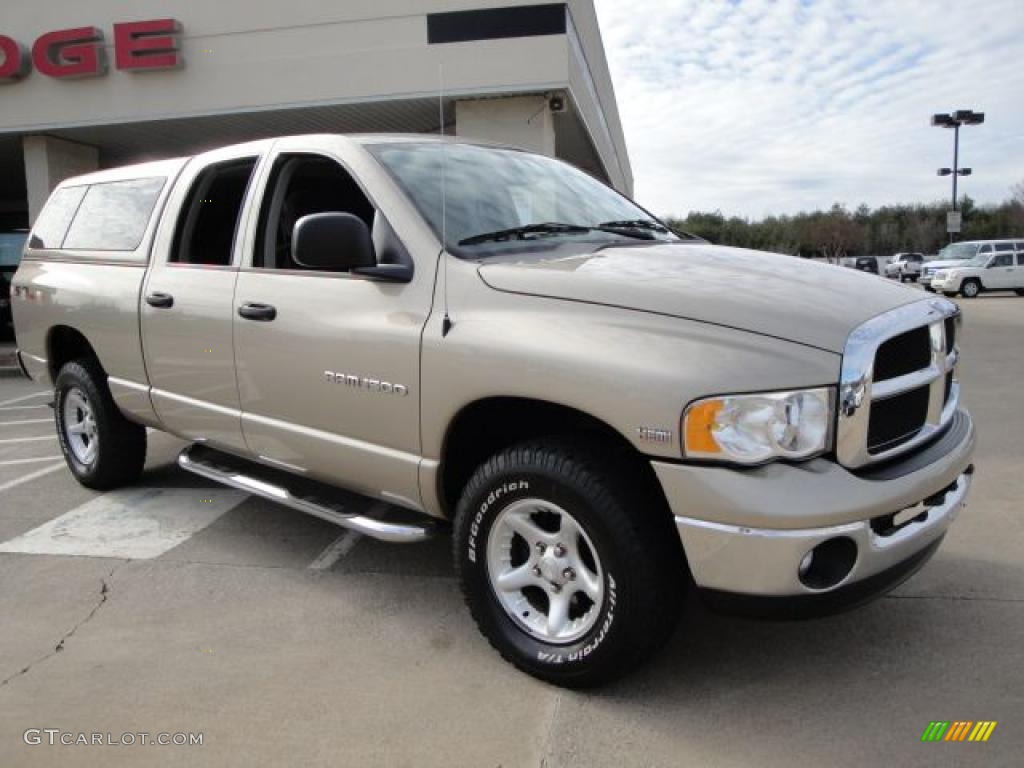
(896, 420)
(903, 354)
(950, 334)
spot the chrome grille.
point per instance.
(897, 387)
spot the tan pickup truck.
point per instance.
(608, 414)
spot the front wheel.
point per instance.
(570, 568)
(970, 289)
(102, 448)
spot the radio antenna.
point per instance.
(446, 324)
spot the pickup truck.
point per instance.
(905, 266)
(606, 415)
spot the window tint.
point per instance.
(1020, 259)
(1004, 246)
(114, 216)
(1002, 260)
(1020, 245)
(209, 217)
(300, 185)
(986, 248)
(53, 222)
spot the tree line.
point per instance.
(839, 232)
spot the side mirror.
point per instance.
(332, 242)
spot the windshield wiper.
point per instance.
(520, 233)
(646, 224)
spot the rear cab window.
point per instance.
(113, 216)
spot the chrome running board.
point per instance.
(309, 496)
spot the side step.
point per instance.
(309, 496)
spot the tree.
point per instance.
(836, 233)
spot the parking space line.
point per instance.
(130, 523)
(15, 462)
(31, 476)
(342, 545)
(23, 398)
(336, 550)
(27, 421)
(22, 407)
(10, 440)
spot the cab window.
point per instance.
(1002, 260)
(300, 185)
(209, 217)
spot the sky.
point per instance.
(754, 107)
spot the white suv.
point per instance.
(953, 255)
(904, 266)
(999, 266)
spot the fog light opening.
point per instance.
(828, 563)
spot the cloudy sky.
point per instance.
(757, 107)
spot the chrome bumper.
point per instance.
(766, 562)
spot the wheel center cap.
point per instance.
(550, 569)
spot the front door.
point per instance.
(328, 362)
(186, 307)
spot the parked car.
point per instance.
(952, 255)
(866, 264)
(11, 246)
(999, 266)
(905, 266)
(958, 254)
(605, 413)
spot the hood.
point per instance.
(765, 293)
(937, 264)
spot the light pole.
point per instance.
(954, 120)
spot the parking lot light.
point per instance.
(954, 120)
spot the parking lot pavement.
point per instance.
(285, 640)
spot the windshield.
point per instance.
(505, 195)
(11, 246)
(955, 251)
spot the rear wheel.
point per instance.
(970, 288)
(103, 449)
(1019, 291)
(571, 569)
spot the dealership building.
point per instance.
(85, 86)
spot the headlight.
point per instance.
(753, 429)
(954, 274)
(940, 275)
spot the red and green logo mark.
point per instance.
(958, 730)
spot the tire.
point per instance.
(929, 289)
(1019, 291)
(970, 289)
(622, 545)
(107, 451)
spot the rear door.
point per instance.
(329, 379)
(186, 306)
(1000, 274)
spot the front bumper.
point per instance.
(949, 284)
(746, 532)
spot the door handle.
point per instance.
(262, 312)
(160, 300)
